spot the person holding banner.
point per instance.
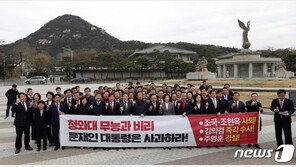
(56, 109)
(112, 107)
(125, 105)
(198, 106)
(183, 106)
(84, 108)
(140, 107)
(168, 107)
(222, 101)
(254, 105)
(214, 105)
(154, 106)
(283, 108)
(99, 106)
(235, 105)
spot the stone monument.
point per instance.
(201, 72)
(247, 64)
(281, 71)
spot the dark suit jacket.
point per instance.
(22, 116)
(41, 121)
(116, 109)
(11, 96)
(71, 110)
(99, 109)
(254, 108)
(29, 99)
(203, 86)
(141, 107)
(240, 108)
(126, 110)
(201, 110)
(287, 106)
(228, 98)
(153, 111)
(83, 110)
(181, 110)
(54, 113)
(211, 109)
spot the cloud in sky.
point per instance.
(273, 23)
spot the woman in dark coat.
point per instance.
(198, 106)
(84, 108)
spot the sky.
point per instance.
(273, 23)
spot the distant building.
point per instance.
(183, 54)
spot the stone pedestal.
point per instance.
(200, 76)
(284, 74)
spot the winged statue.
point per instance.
(246, 43)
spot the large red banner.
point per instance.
(226, 129)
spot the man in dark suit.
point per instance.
(223, 103)
(214, 105)
(140, 107)
(99, 106)
(254, 105)
(283, 108)
(183, 106)
(90, 98)
(112, 107)
(29, 95)
(11, 96)
(22, 121)
(235, 105)
(227, 85)
(154, 106)
(70, 103)
(69, 97)
(204, 85)
(56, 109)
(125, 105)
(41, 122)
(225, 95)
(204, 95)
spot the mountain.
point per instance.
(73, 32)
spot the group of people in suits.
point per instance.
(43, 116)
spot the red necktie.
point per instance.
(58, 106)
(154, 107)
(281, 104)
(236, 105)
(112, 106)
(183, 103)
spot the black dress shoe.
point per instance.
(17, 151)
(51, 144)
(29, 148)
(217, 146)
(95, 148)
(44, 148)
(63, 148)
(39, 148)
(249, 145)
(56, 148)
(6, 117)
(257, 146)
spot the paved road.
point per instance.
(205, 156)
